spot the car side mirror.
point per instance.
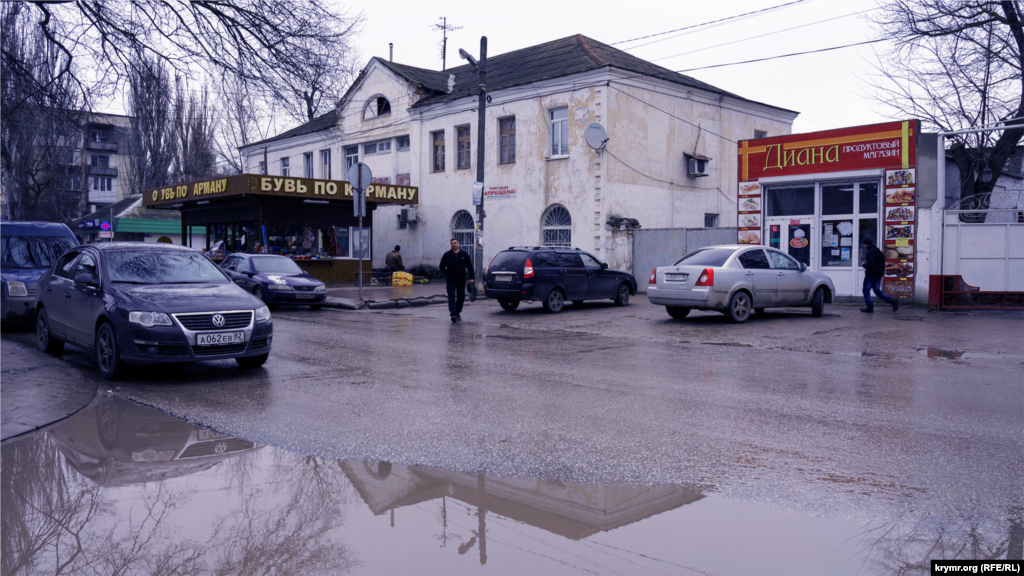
(803, 267)
(85, 279)
(604, 265)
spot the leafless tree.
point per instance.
(151, 142)
(316, 87)
(244, 120)
(194, 134)
(957, 64)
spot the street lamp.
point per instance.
(481, 122)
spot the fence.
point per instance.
(663, 246)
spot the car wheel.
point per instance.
(577, 302)
(818, 303)
(739, 307)
(509, 305)
(107, 354)
(253, 361)
(259, 293)
(44, 338)
(677, 312)
(622, 295)
(555, 300)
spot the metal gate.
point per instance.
(663, 246)
(982, 253)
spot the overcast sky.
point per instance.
(829, 89)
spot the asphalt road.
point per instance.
(835, 413)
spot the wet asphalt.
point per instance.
(915, 418)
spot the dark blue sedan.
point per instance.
(275, 279)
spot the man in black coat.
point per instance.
(874, 269)
(456, 266)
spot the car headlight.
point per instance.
(15, 288)
(148, 319)
(263, 313)
(321, 288)
(280, 287)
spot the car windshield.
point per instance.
(34, 251)
(275, 265)
(706, 257)
(162, 267)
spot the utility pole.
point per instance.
(445, 29)
(481, 123)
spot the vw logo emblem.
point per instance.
(221, 447)
(218, 320)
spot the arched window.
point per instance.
(556, 227)
(464, 229)
(376, 106)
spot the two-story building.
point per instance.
(543, 185)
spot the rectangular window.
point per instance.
(790, 201)
(100, 135)
(351, 156)
(758, 134)
(100, 161)
(325, 163)
(837, 199)
(437, 151)
(559, 131)
(263, 167)
(383, 147)
(507, 130)
(102, 184)
(710, 220)
(285, 166)
(462, 133)
(402, 143)
(307, 162)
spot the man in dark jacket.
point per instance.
(874, 269)
(456, 266)
(394, 259)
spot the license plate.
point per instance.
(503, 277)
(217, 338)
(305, 296)
(207, 434)
(676, 277)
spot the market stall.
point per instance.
(308, 220)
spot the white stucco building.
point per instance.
(544, 184)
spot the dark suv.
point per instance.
(552, 276)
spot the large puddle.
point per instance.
(125, 489)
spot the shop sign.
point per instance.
(496, 192)
(860, 148)
(259, 185)
(106, 233)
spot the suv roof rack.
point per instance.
(529, 247)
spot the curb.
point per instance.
(355, 304)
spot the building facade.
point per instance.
(669, 160)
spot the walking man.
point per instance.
(874, 269)
(456, 266)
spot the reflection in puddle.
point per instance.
(121, 488)
(936, 353)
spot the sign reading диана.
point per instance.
(259, 185)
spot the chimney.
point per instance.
(391, 51)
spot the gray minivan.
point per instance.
(28, 250)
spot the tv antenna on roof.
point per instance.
(445, 28)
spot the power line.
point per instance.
(719, 21)
(782, 56)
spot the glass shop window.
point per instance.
(790, 200)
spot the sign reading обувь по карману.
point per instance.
(280, 186)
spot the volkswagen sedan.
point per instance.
(735, 280)
(135, 303)
(275, 279)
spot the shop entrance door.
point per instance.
(795, 237)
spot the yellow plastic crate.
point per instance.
(401, 279)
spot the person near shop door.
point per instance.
(456, 266)
(874, 269)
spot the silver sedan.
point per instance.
(736, 279)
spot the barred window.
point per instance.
(556, 227)
(464, 229)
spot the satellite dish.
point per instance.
(595, 135)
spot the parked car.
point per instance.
(736, 279)
(28, 250)
(139, 303)
(275, 279)
(552, 276)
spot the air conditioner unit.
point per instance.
(697, 166)
(407, 216)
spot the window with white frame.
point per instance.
(464, 229)
(558, 131)
(556, 227)
(285, 166)
(307, 164)
(99, 160)
(263, 167)
(325, 163)
(102, 184)
(402, 143)
(382, 147)
(351, 156)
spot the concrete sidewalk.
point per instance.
(346, 295)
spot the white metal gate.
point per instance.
(983, 241)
